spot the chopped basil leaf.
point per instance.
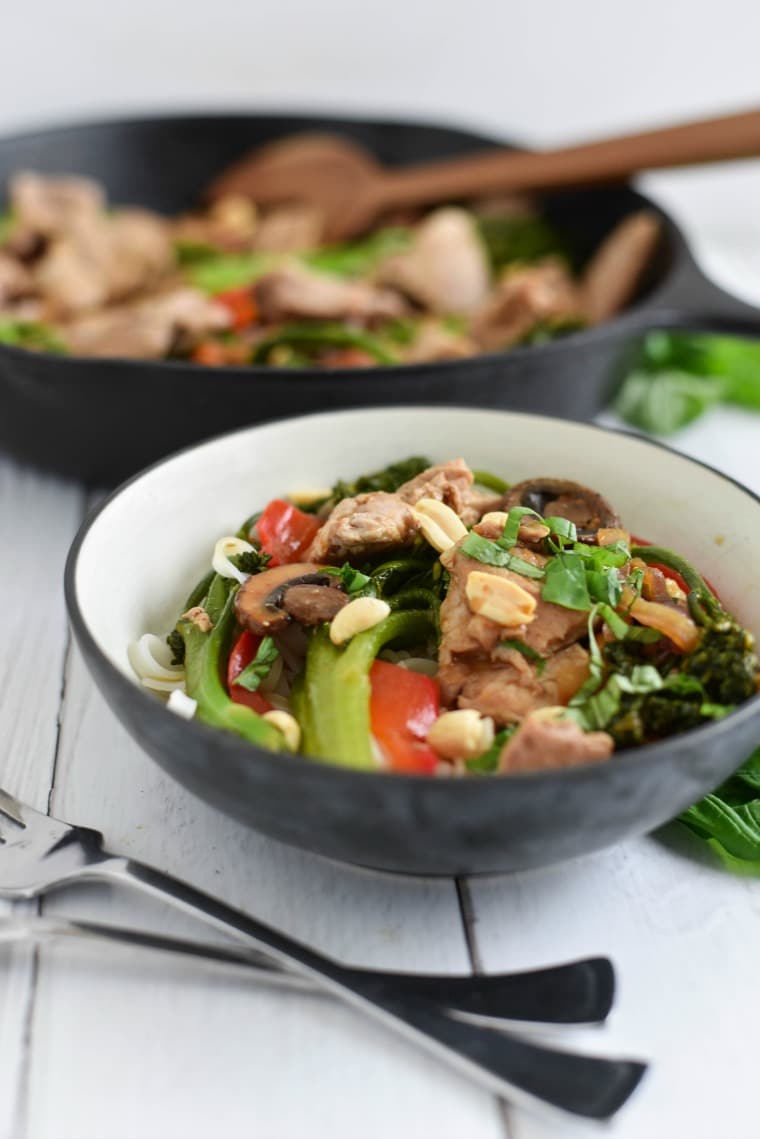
(512, 525)
(492, 554)
(566, 581)
(260, 667)
(526, 651)
(561, 528)
(604, 586)
(353, 581)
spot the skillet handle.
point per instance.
(690, 300)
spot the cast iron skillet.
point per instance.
(138, 556)
(100, 420)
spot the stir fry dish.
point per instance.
(230, 285)
(429, 619)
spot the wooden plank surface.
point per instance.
(191, 1051)
(684, 938)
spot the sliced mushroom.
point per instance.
(564, 498)
(267, 602)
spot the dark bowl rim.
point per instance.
(295, 763)
(637, 316)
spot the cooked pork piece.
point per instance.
(363, 526)
(522, 299)
(452, 484)
(49, 206)
(102, 259)
(446, 269)
(373, 523)
(465, 633)
(479, 668)
(513, 687)
(543, 742)
(141, 251)
(146, 329)
(614, 272)
(295, 293)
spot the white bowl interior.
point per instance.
(153, 541)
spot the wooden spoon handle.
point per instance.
(709, 140)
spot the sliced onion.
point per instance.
(164, 685)
(150, 657)
(226, 548)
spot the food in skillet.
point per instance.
(230, 286)
(428, 619)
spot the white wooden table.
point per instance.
(117, 1044)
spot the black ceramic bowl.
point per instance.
(101, 420)
(139, 555)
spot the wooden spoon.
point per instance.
(352, 188)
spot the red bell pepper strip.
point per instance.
(667, 571)
(285, 532)
(243, 652)
(403, 707)
(240, 305)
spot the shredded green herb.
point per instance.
(493, 554)
(259, 668)
(526, 651)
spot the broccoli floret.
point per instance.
(627, 728)
(176, 643)
(252, 561)
(725, 662)
(654, 715)
(388, 479)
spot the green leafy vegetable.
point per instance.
(311, 336)
(206, 651)
(389, 479)
(217, 272)
(259, 668)
(488, 762)
(729, 819)
(353, 581)
(251, 561)
(679, 376)
(493, 554)
(33, 335)
(7, 222)
(177, 645)
(358, 258)
(566, 581)
(519, 238)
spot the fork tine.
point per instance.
(11, 808)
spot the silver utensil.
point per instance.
(578, 992)
(40, 853)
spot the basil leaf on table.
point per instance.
(729, 819)
(680, 376)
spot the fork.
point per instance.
(40, 853)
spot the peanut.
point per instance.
(499, 599)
